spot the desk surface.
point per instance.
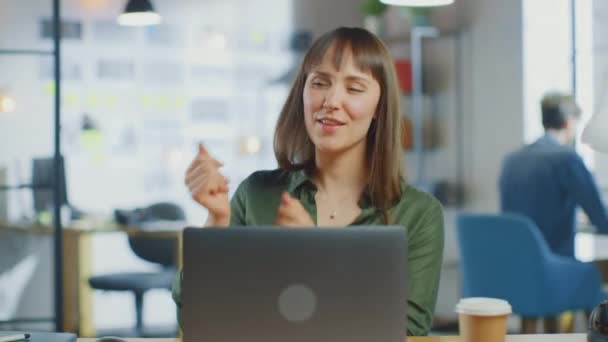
(77, 256)
(510, 338)
(591, 247)
(100, 225)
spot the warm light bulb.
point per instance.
(251, 145)
(7, 104)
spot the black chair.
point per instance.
(160, 250)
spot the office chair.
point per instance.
(153, 249)
(505, 256)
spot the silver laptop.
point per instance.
(294, 284)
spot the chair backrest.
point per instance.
(157, 249)
(501, 256)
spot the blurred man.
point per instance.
(547, 180)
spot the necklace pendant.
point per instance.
(332, 215)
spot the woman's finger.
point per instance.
(202, 160)
(224, 188)
(194, 167)
(202, 151)
(198, 193)
(209, 160)
(285, 198)
(201, 169)
(193, 172)
(198, 181)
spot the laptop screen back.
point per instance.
(278, 284)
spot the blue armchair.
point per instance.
(505, 256)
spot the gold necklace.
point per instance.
(334, 213)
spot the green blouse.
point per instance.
(257, 199)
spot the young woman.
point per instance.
(337, 143)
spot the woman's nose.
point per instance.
(331, 100)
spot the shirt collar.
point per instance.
(297, 179)
(301, 178)
(549, 139)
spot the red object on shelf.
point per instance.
(404, 74)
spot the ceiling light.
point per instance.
(418, 3)
(139, 13)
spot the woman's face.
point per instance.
(339, 104)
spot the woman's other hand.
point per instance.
(292, 213)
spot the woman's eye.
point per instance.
(318, 83)
(356, 90)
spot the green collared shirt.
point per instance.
(257, 199)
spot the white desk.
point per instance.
(590, 246)
(77, 294)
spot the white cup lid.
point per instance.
(481, 306)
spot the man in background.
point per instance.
(547, 180)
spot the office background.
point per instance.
(136, 101)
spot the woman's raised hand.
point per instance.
(209, 187)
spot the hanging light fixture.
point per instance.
(595, 132)
(139, 13)
(418, 3)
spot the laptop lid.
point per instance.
(294, 284)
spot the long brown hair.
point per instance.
(293, 148)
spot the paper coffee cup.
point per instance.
(482, 319)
